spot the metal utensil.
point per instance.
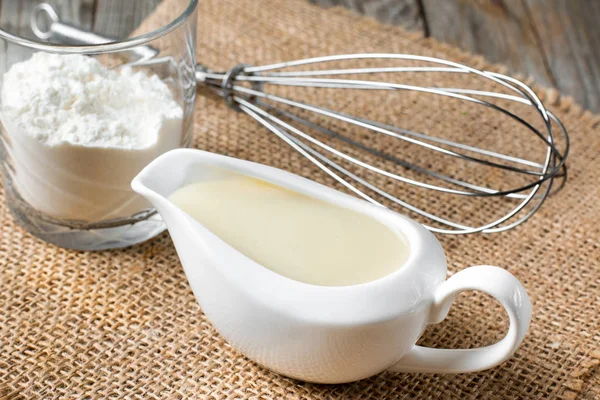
(244, 89)
(55, 29)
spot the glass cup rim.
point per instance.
(105, 47)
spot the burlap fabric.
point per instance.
(125, 323)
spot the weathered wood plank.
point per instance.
(570, 37)
(15, 18)
(76, 12)
(554, 41)
(15, 15)
(502, 31)
(114, 18)
(143, 9)
(119, 18)
(398, 12)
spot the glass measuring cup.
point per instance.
(77, 195)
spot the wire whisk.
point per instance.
(245, 89)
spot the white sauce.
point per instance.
(299, 237)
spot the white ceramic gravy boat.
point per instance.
(321, 333)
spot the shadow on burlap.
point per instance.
(125, 323)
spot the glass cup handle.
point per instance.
(505, 288)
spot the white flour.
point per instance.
(79, 133)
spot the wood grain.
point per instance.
(109, 17)
(15, 18)
(398, 12)
(119, 18)
(500, 31)
(557, 42)
(75, 12)
(570, 37)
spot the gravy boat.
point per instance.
(326, 334)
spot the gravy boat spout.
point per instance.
(325, 334)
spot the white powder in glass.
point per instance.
(79, 132)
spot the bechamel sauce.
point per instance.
(292, 234)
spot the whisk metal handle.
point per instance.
(59, 30)
(56, 29)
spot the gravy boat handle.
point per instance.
(505, 288)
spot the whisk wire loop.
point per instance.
(268, 109)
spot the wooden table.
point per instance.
(557, 42)
(107, 17)
(112, 17)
